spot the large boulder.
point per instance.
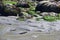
(46, 6)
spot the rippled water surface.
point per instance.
(10, 28)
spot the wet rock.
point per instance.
(13, 30)
(53, 14)
(10, 10)
(35, 15)
(1, 9)
(46, 6)
(9, 24)
(24, 5)
(48, 14)
(44, 13)
(23, 33)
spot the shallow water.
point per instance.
(10, 28)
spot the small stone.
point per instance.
(13, 30)
(52, 14)
(23, 33)
(9, 24)
(44, 13)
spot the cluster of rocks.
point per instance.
(42, 6)
(12, 10)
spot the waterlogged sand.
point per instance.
(12, 29)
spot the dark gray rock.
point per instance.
(11, 10)
(1, 9)
(47, 7)
(23, 33)
(24, 5)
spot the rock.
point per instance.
(10, 10)
(53, 14)
(39, 0)
(58, 4)
(25, 14)
(46, 6)
(1, 9)
(44, 14)
(23, 33)
(24, 5)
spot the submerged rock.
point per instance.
(23, 33)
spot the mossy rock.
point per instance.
(31, 12)
(49, 18)
(9, 2)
